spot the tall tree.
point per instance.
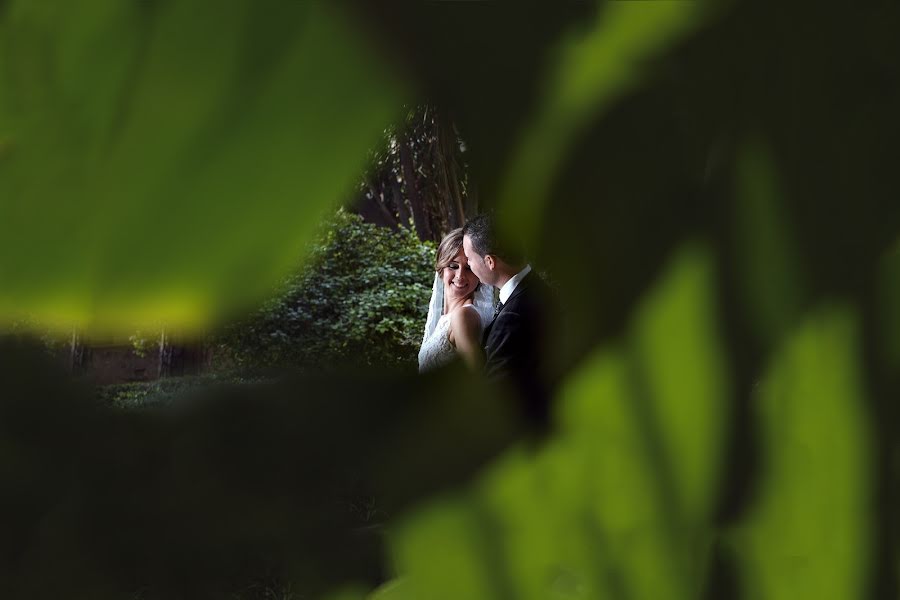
(419, 176)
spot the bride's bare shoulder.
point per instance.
(465, 316)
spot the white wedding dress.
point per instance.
(437, 350)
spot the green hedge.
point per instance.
(360, 300)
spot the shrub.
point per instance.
(164, 392)
(145, 394)
(361, 300)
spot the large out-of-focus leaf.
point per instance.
(683, 377)
(809, 533)
(168, 160)
(447, 552)
(767, 259)
(349, 592)
(594, 68)
(889, 305)
(618, 504)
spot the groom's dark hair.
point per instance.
(482, 231)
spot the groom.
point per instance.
(514, 340)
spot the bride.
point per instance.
(460, 309)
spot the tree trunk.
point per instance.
(177, 359)
(76, 353)
(450, 171)
(421, 179)
(419, 211)
(165, 355)
(374, 209)
(471, 203)
(400, 201)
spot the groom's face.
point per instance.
(476, 262)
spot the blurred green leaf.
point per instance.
(396, 589)
(618, 505)
(629, 510)
(350, 592)
(772, 279)
(889, 305)
(591, 70)
(683, 377)
(810, 531)
(169, 160)
(446, 552)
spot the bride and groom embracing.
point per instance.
(505, 339)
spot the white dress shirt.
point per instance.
(510, 286)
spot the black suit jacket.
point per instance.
(516, 344)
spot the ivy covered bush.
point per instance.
(360, 300)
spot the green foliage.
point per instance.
(621, 503)
(144, 341)
(361, 299)
(218, 148)
(54, 340)
(162, 392)
(808, 536)
(889, 306)
(772, 278)
(143, 121)
(595, 68)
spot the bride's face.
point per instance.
(459, 280)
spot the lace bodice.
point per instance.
(437, 350)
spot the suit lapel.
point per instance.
(520, 288)
(487, 330)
